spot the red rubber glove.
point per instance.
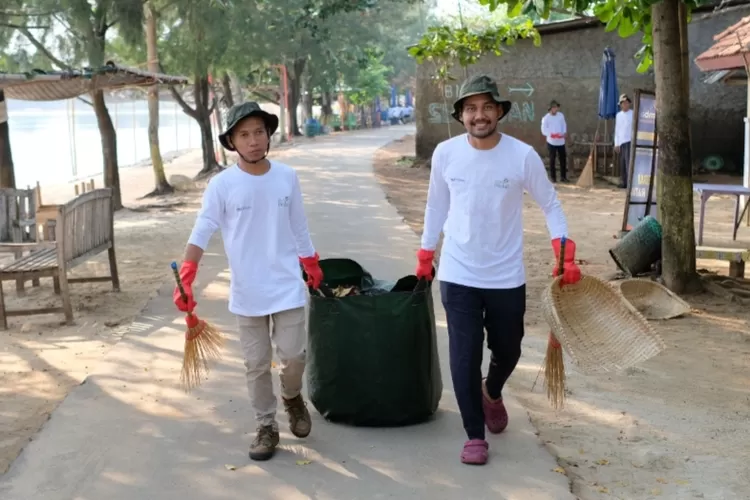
(424, 264)
(571, 272)
(311, 265)
(188, 270)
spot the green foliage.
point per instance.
(194, 37)
(628, 17)
(371, 79)
(443, 45)
(69, 33)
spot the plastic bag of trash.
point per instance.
(372, 356)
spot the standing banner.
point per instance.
(640, 198)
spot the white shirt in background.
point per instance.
(475, 198)
(554, 124)
(264, 228)
(623, 127)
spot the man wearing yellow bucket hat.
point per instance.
(475, 198)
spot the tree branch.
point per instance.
(40, 47)
(185, 107)
(11, 13)
(84, 100)
(18, 26)
(264, 96)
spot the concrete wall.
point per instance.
(567, 68)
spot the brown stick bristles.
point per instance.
(203, 344)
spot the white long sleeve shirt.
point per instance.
(264, 228)
(623, 127)
(475, 198)
(554, 124)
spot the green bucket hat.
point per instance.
(239, 112)
(476, 85)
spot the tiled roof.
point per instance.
(731, 47)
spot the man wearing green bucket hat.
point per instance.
(257, 205)
(475, 198)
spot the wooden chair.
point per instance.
(84, 227)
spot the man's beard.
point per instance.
(482, 135)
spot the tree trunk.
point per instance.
(207, 146)
(109, 147)
(674, 177)
(226, 84)
(202, 115)
(326, 106)
(237, 93)
(161, 186)
(107, 132)
(203, 109)
(307, 98)
(685, 58)
(7, 173)
(295, 82)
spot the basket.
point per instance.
(598, 328)
(652, 300)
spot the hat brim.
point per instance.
(505, 105)
(271, 121)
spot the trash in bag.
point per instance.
(372, 356)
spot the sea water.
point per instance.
(57, 142)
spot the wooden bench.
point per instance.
(84, 227)
(735, 256)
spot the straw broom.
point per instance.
(554, 365)
(203, 343)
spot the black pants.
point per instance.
(471, 311)
(624, 159)
(554, 152)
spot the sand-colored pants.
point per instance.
(289, 335)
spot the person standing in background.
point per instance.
(623, 137)
(555, 130)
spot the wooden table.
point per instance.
(707, 190)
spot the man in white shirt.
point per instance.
(555, 130)
(257, 206)
(475, 198)
(623, 136)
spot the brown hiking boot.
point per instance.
(265, 443)
(300, 422)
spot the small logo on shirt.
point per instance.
(242, 209)
(504, 184)
(457, 179)
(284, 202)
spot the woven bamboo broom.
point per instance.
(554, 364)
(203, 344)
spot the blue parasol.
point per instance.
(608, 92)
(394, 96)
(408, 102)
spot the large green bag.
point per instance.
(372, 359)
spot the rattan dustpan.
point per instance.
(598, 328)
(653, 300)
